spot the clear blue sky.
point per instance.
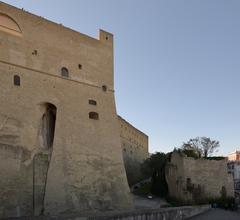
(177, 63)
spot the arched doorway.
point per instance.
(48, 125)
(42, 160)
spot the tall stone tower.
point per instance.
(60, 146)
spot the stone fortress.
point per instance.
(60, 146)
(135, 150)
(63, 148)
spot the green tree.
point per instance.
(154, 167)
(201, 146)
(209, 146)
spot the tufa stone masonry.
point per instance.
(192, 179)
(60, 145)
(135, 150)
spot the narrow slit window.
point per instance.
(92, 102)
(64, 72)
(93, 115)
(16, 80)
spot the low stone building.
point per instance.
(134, 148)
(234, 169)
(192, 179)
(234, 156)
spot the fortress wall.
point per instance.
(184, 174)
(83, 166)
(57, 46)
(134, 148)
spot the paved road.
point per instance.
(145, 203)
(218, 214)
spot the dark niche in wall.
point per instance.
(93, 115)
(16, 80)
(64, 72)
(92, 102)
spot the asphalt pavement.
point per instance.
(218, 214)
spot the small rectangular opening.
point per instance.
(16, 80)
(92, 102)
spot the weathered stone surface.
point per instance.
(83, 166)
(134, 148)
(184, 174)
(177, 213)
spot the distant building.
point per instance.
(135, 150)
(234, 169)
(234, 156)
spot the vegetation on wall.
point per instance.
(222, 201)
(154, 166)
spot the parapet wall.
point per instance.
(189, 178)
(176, 213)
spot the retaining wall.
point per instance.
(176, 213)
